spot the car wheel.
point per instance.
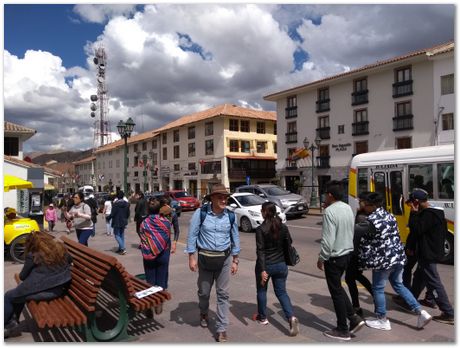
(449, 249)
(17, 248)
(245, 224)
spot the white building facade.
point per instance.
(404, 102)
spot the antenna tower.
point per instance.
(99, 103)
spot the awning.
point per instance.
(11, 182)
(49, 187)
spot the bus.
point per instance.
(395, 173)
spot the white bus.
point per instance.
(396, 173)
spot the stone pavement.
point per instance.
(179, 322)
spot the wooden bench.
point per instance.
(95, 276)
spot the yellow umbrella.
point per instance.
(11, 182)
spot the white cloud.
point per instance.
(234, 54)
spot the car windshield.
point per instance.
(250, 200)
(276, 191)
(181, 194)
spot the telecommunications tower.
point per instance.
(99, 103)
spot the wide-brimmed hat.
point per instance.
(218, 189)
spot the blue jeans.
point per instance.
(278, 272)
(119, 233)
(157, 270)
(394, 275)
(83, 235)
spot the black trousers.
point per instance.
(334, 268)
(418, 275)
(352, 275)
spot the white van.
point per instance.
(87, 190)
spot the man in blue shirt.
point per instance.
(215, 238)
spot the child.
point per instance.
(51, 217)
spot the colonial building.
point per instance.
(407, 101)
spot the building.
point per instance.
(227, 143)
(406, 101)
(85, 172)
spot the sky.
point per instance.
(165, 61)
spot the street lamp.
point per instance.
(125, 129)
(312, 149)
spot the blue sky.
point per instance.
(170, 60)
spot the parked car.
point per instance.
(16, 229)
(291, 203)
(247, 208)
(174, 203)
(186, 201)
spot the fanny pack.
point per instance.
(212, 261)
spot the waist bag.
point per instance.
(212, 261)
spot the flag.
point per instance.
(140, 163)
(299, 153)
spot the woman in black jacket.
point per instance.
(45, 276)
(272, 240)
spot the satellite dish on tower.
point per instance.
(100, 79)
(93, 114)
(93, 107)
(93, 98)
(96, 61)
(102, 66)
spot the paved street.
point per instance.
(306, 286)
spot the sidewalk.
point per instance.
(179, 322)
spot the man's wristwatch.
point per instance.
(236, 261)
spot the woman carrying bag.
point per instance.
(273, 240)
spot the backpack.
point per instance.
(204, 212)
(93, 205)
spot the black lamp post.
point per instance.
(125, 129)
(312, 149)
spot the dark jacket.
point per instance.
(119, 214)
(269, 250)
(37, 278)
(141, 210)
(428, 231)
(91, 201)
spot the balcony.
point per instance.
(360, 97)
(291, 112)
(323, 162)
(242, 173)
(360, 128)
(323, 105)
(291, 165)
(291, 137)
(403, 122)
(324, 132)
(401, 89)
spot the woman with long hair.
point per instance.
(45, 276)
(272, 241)
(80, 215)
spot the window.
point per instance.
(165, 153)
(403, 109)
(404, 143)
(261, 146)
(448, 121)
(341, 129)
(117, 163)
(209, 147)
(261, 127)
(362, 180)
(208, 128)
(403, 116)
(11, 146)
(144, 146)
(447, 84)
(212, 167)
(403, 74)
(136, 161)
(176, 136)
(323, 129)
(176, 167)
(403, 82)
(360, 85)
(323, 159)
(245, 126)
(136, 174)
(361, 147)
(274, 128)
(234, 146)
(191, 132)
(136, 147)
(245, 146)
(275, 147)
(154, 143)
(360, 115)
(191, 150)
(360, 125)
(192, 166)
(155, 159)
(421, 176)
(234, 125)
(164, 138)
(446, 180)
(291, 134)
(360, 92)
(323, 94)
(323, 122)
(291, 106)
(322, 104)
(176, 153)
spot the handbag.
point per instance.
(292, 257)
(212, 261)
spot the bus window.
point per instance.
(379, 181)
(446, 180)
(362, 180)
(396, 192)
(421, 176)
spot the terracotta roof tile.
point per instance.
(85, 160)
(27, 164)
(11, 127)
(442, 48)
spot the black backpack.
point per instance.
(93, 205)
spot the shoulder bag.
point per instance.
(291, 256)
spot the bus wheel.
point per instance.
(17, 248)
(449, 249)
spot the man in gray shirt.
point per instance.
(335, 254)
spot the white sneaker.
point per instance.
(294, 326)
(379, 324)
(423, 319)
